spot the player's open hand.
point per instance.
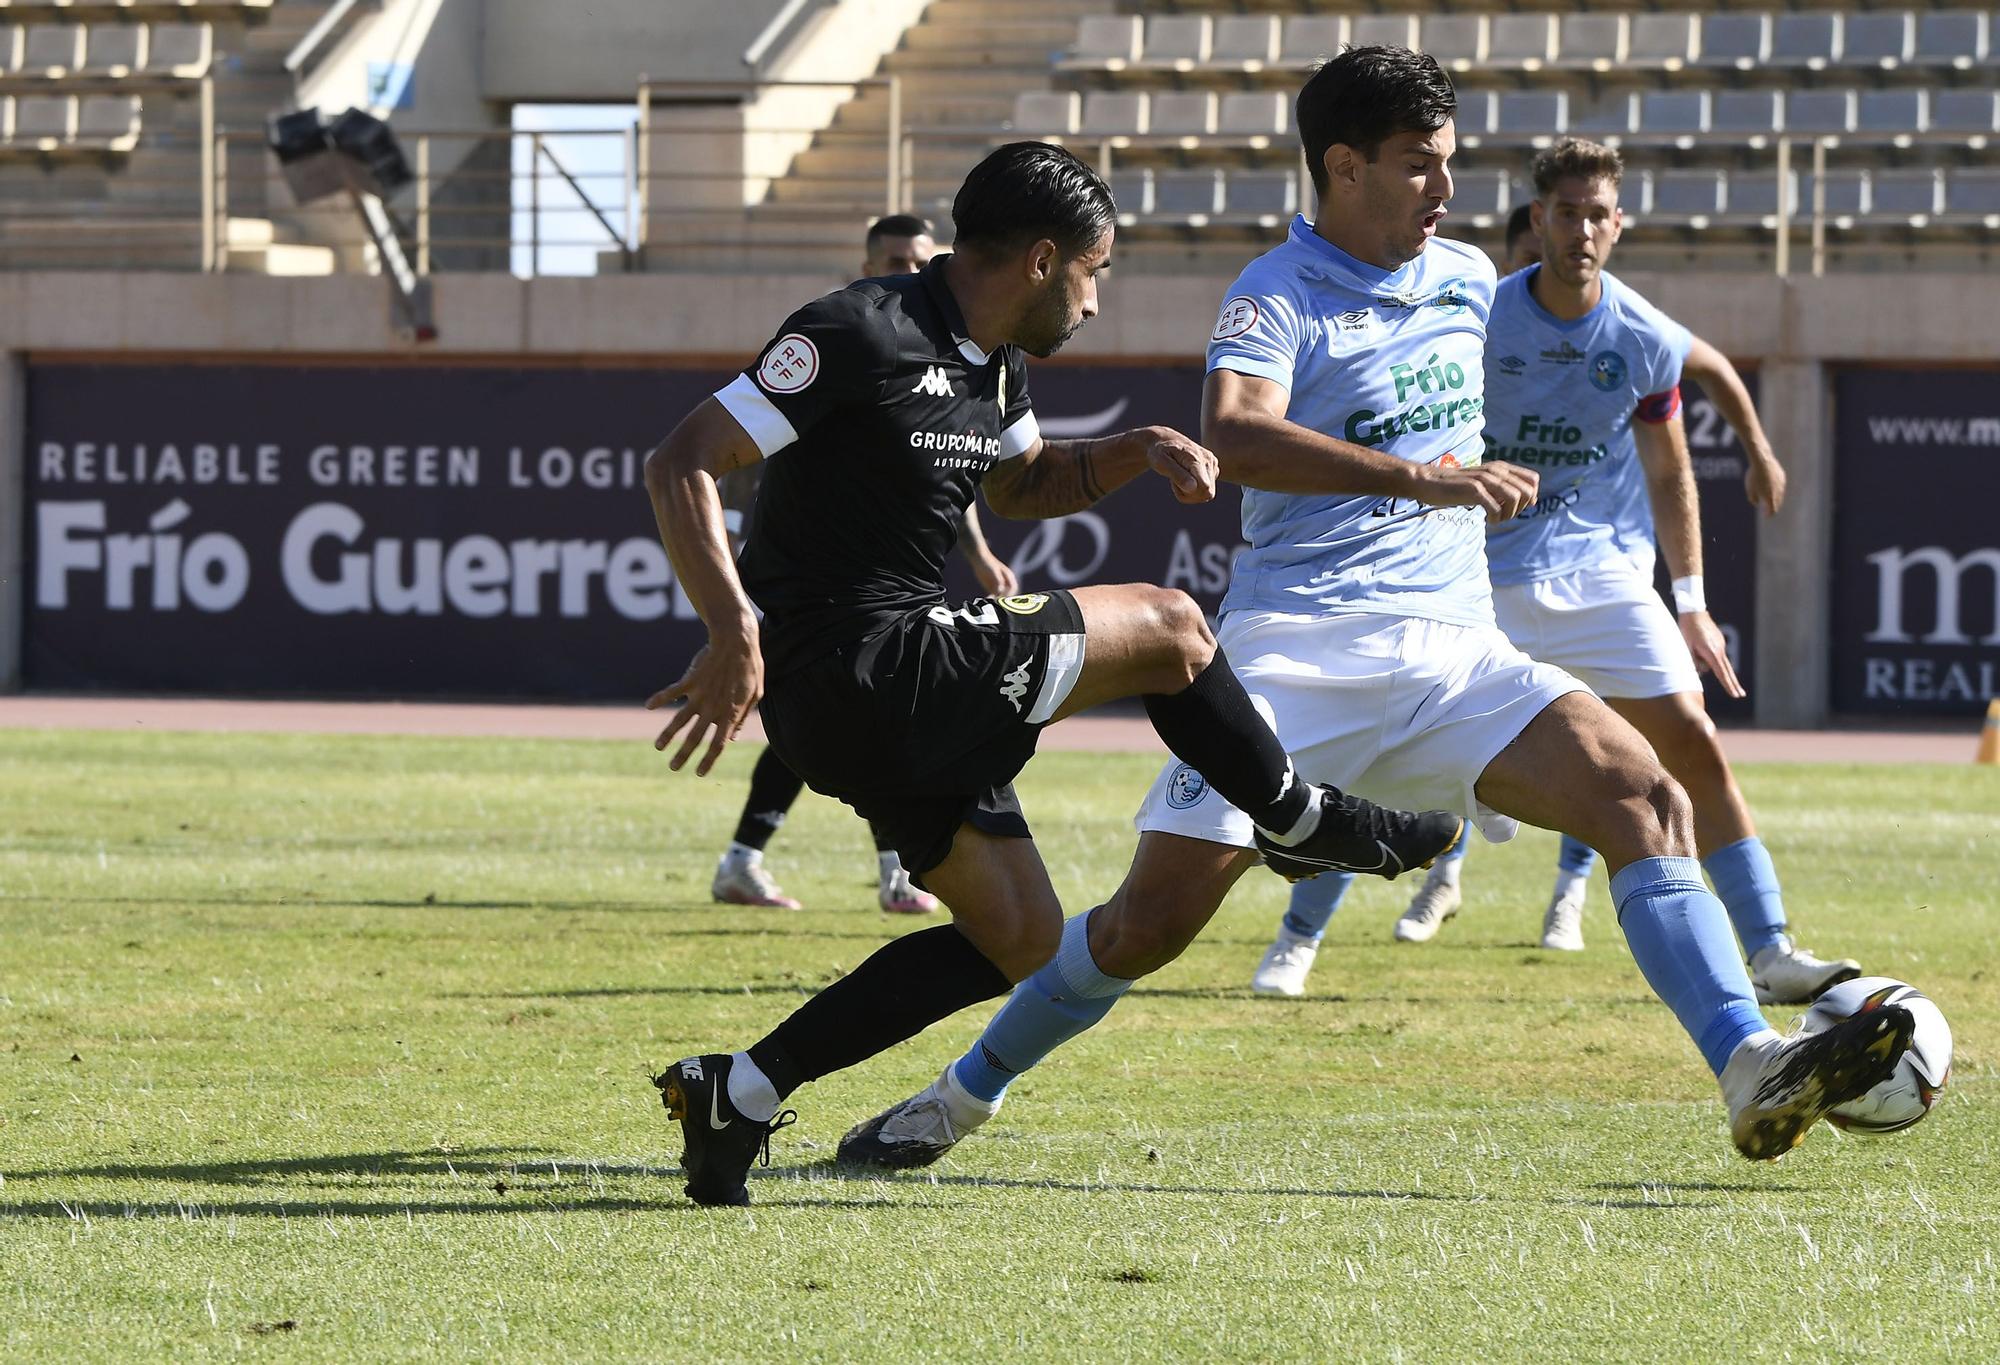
(1187, 464)
(1764, 484)
(718, 692)
(1499, 489)
(1710, 650)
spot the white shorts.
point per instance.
(1405, 712)
(1606, 625)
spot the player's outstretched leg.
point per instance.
(1155, 644)
(1680, 731)
(1171, 891)
(1289, 960)
(1579, 768)
(741, 877)
(1562, 922)
(1437, 900)
(1007, 922)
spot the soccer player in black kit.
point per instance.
(887, 405)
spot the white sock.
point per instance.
(750, 1090)
(967, 1110)
(1306, 824)
(887, 864)
(1570, 885)
(741, 855)
(1444, 872)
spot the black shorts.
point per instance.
(921, 727)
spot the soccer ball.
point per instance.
(1913, 1087)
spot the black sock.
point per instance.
(1211, 726)
(882, 844)
(773, 788)
(902, 989)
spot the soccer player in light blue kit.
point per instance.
(1345, 392)
(1584, 388)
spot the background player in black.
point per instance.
(898, 244)
(888, 404)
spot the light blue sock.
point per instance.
(1680, 938)
(1576, 857)
(1747, 882)
(1047, 1010)
(1313, 902)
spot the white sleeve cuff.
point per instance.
(757, 415)
(1020, 438)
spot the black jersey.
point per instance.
(878, 419)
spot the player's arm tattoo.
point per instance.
(1057, 478)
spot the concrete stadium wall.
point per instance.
(1793, 331)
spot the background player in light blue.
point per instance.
(1584, 380)
(1345, 392)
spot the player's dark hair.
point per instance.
(898, 225)
(1366, 96)
(1026, 191)
(1576, 158)
(1520, 223)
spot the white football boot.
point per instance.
(1777, 1087)
(1286, 965)
(918, 1130)
(744, 881)
(1562, 925)
(1436, 901)
(1786, 974)
(898, 895)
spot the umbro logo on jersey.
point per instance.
(1510, 364)
(1355, 320)
(933, 383)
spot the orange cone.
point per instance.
(1989, 736)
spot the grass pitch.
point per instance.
(336, 1049)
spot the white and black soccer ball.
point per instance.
(1919, 1078)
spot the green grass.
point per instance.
(351, 1034)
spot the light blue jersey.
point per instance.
(1389, 359)
(1561, 402)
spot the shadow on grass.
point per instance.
(1673, 1187)
(832, 1168)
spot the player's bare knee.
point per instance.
(1030, 948)
(1183, 630)
(1668, 815)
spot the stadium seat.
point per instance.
(1810, 39)
(1254, 113)
(1263, 195)
(1742, 41)
(44, 121)
(51, 50)
(1310, 37)
(1973, 113)
(1474, 119)
(1752, 114)
(1177, 42)
(1878, 38)
(1377, 30)
(1972, 194)
(1821, 112)
(180, 49)
(1525, 42)
(1662, 40)
(1108, 113)
(1132, 192)
(10, 48)
(1531, 115)
(1951, 37)
(114, 49)
(1109, 41)
(1846, 194)
(1038, 112)
(1688, 196)
(1611, 117)
(1181, 113)
(1754, 195)
(1890, 115)
(1911, 195)
(1479, 195)
(1673, 113)
(1592, 42)
(1247, 42)
(108, 122)
(1187, 194)
(1457, 41)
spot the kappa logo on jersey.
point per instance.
(1185, 787)
(1238, 316)
(1027, 604)
(790, 364)
(933, 383)
(1607, 370)
(1016, 686)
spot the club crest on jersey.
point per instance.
(1185, 787)
(1607, 370)
(933, 383)
(1451, 297)
(1238, 316)
(1026, 604)
(790, 364)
